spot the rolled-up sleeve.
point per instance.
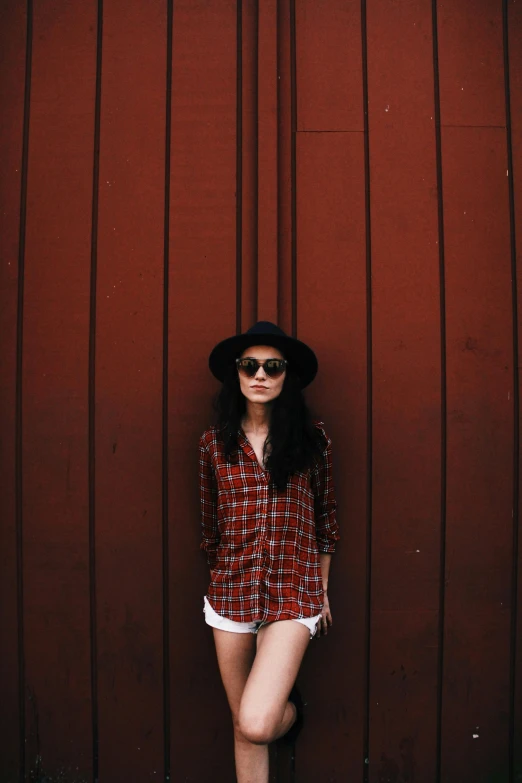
(208, 500)
(326, 526)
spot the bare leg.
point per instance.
(235, 654)
(265, 712)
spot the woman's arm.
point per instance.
(208, 503)
(326, 615)
(325, 559)
(326, 527)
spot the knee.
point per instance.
(256, 727)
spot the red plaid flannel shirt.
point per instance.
(263, 545)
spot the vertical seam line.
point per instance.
(165, 408)
(92, 400)
(239, 164)
(256, 167)
(293, 160)
(19, 389)
(516, 402)
(443, 391)
(369, 382)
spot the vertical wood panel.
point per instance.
(267, 179)
(12, 80)
(55, 364)
(480, 431)
(202, 301)
(129, 334)
(331, 311)
(248, 148)
(285, 164)
(475, 704)
(514, 40)
(332, 315)
(406, 453)
(329, 65)
(471, 73)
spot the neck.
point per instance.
(257, 417)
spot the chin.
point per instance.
(263, 397)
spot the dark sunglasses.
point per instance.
(272, 367)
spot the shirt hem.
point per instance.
(249, 617)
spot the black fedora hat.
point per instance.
(300, 356)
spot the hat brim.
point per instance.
(300, 356)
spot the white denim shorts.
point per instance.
(224, 624)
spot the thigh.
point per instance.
(281, 646)
(235, 655)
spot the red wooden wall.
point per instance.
(171, 172)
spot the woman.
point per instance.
(269, 529)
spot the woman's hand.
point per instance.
(326, 617)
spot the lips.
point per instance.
(259, 387)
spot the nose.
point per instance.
(261, 370)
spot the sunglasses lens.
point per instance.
(248, 367)
(274, 367)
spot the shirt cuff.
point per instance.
(211, 552)
(326, 547)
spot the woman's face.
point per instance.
(261, 388)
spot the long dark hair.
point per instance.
(293, 444)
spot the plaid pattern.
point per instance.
(263, 545)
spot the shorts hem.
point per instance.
(216, 620)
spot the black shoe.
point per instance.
(293, 732)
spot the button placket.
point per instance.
(264, 513)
